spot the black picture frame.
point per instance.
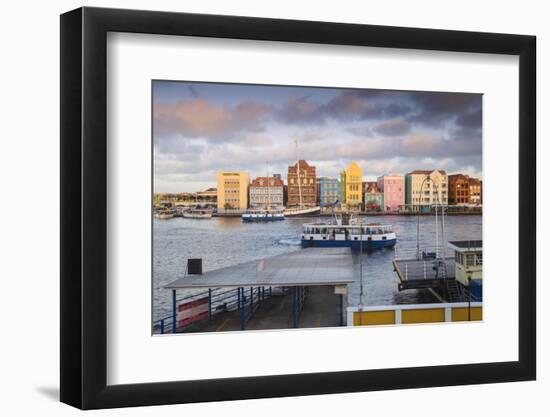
(84, 207)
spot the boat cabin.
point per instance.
(469, 264)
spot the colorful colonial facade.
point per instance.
(424, 188)
(302, 184)
(232, 190)
(374, 198)
(266, 192)
(475, 191)
(352, 188)
(464, 190)
(329, 191)
(393, 187)
(459, 189)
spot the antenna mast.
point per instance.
(298, 172)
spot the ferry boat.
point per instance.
(263, 215)
(164, 214)
(197, 214)
(346, 231)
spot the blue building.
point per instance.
(330, 191)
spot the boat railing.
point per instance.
(426, 252)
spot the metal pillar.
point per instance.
(209, 303)
(240, 292)
(294, 307)
(251, 302)
(174, 312)
(341, 307)
(469, 299)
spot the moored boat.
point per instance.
(346, 231)
(197, 214)
(263, 215)
(164, 214)
(301, 211)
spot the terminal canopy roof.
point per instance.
(304, 267)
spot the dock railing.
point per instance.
(220, 300)
(409, 263)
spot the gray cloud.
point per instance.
(394, 127)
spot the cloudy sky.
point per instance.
(200, 128)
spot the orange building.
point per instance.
(464, 190)
(459, 189)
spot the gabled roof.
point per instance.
(425, 172)
(262, 182)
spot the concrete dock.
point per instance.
(315, 293)
(320, 310)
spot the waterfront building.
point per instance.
(302, 184)
(353, 185)
(464, 190)
(329, 191)
(374, 197)
(459, 189)
(232, 190)
(266, 192)
(393, 188)
(424, 188)
(475, 191)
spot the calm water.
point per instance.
(222, 242)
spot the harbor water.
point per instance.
(225, 241)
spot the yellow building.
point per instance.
(425, 188)
(353, 185)
(232, 190)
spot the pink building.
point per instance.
(393, 187)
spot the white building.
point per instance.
(266, 192)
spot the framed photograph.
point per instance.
(258, 208)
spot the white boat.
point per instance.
(198, 214)
(346, 231)
(301, 211)
(164, 214)
(263, 215)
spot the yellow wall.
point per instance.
(429, 315)
(232, 189)
(461, 314)
(354, 184)
(365, 318)
(417, 314)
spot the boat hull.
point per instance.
(289, 212)
(353, 244)
(262, 219)
(197, 216)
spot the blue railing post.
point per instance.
(162, 326)
(174, 312)
(209, 303)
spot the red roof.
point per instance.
(262, 182)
